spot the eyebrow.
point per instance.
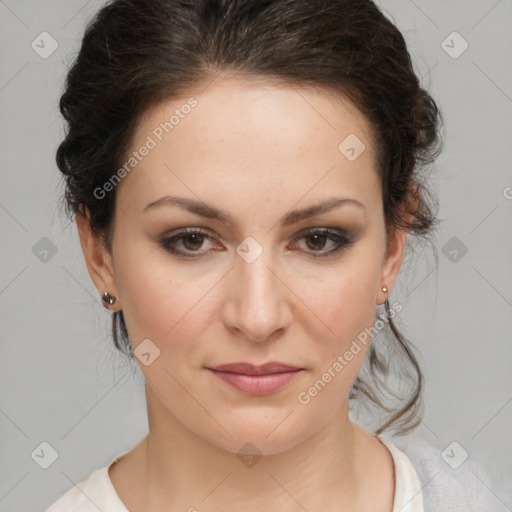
(209, 212)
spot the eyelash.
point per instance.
(340, 237)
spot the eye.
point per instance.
(316, 239)
(193, 239)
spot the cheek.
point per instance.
(348, 308)
(342, 311)
(342, 305)
(164, 303)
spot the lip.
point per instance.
(250, 369)
(256, 380)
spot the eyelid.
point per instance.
(305, 231)
(339, 236)
(178, 234)
(342, 238)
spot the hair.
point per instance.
(137, 53)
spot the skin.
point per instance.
(256, 150)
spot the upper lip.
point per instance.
(250, 369)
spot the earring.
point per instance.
(384, 289)
(108, 299)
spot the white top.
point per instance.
(427, 479)
(97, 492)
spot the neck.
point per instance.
(184, 471)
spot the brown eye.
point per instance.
(191, 240)
(317, 239)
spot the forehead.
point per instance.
(238, 134)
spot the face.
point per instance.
(262, 282)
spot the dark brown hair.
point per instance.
(136, 53)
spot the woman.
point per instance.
(245, 175)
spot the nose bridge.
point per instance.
(254, 271)
(260, 299)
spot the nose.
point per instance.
(258, 308)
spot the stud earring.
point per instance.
(108, 299)
(384, 289)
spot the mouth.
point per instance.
(256, 380)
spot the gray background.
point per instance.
(61, 381)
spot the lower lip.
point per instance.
(257, 384)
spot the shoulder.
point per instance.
(94, 493)
(452, 480)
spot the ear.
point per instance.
(97, 259)
(395, 248)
